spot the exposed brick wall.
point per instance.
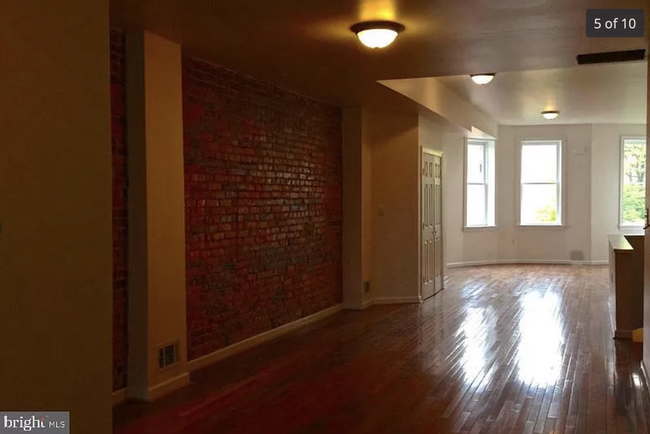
(263, 206)
(118, 122)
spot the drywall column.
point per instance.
(55, 210)
(366, 216)
(157, 314)
(396, 177)
(352, 209)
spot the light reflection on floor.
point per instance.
(477, 340)
(539, 352)
(539, 359)
(474, 356)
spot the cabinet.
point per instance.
(626, 283)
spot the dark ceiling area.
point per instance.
(307, 46)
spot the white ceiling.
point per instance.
(611, 93)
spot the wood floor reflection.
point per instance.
(504, 349)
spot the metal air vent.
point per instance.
(611, 57)
(167, 355)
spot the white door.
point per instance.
(437, 224)
(428, 218)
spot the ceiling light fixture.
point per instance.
(550, 114)
(377, 34)
(482, 78)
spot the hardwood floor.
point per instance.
(503, 349)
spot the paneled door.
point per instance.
(438, 264)
(428, 211)
(431, 256)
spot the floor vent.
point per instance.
(167, 355)
(611, 57)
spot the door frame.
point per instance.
(437, 153)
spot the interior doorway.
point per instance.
(431, 224)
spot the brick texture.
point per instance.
(263, 206)
(120, 343)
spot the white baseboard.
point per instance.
(368, 303)
(254, 341)
(397, 300)
(168, 386)
(363, 306)
(525, 262)
(119, 396)
(159, 390)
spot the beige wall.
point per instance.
(546, 243)
(458, 119)
(381, 160)
(432, 94)
(430, 134)
(157, 313)
(591, 170)
(395, 157)
(55, 209)
(452, 189)
(474, 245)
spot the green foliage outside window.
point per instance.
(547, 214)
(634, 170)
(633, 203)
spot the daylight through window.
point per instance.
(479, 183)
(541, 183)
(633, 156)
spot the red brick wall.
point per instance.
(263, 206)
(119, 211)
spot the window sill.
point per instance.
(631, 230)
(544, 227)
(479, 228)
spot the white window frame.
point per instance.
(489, 183)
(621, 180)
(561, 223)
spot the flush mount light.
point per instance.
(550, 114)
(482, 78)
(377, 34)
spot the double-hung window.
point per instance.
(479, 183)
(633, 167)
(540, 191)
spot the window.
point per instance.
(541, 183)
(632, 181)
(479, 183)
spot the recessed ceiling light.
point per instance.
(377, 34)
(550, 114)
(482, 78)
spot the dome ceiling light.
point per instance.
(550, 114)
(482, 78)
(377, 34)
